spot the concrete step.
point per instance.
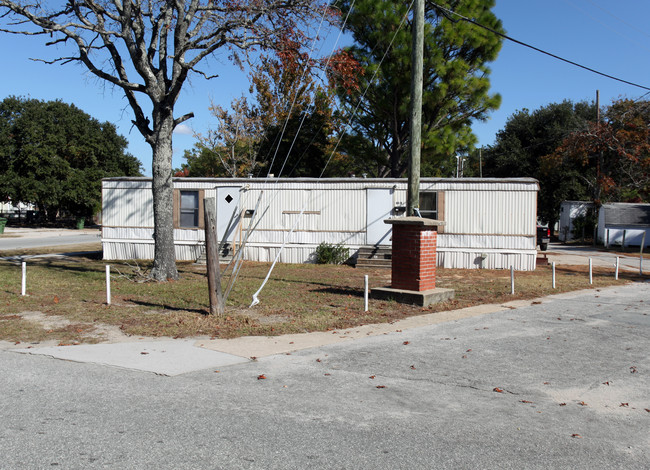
(371, 252)
(374, 257)
(224, 257)
(373, 263)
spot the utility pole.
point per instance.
(599, 168)
(417, 53)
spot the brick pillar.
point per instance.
(414, 253)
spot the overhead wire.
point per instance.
(542, 51)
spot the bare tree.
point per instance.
(148, 48)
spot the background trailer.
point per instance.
(489, 223)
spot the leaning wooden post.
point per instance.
(212, 257)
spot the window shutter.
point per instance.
(177, 208)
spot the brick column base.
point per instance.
(414, 257)
(414, 263)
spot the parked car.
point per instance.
(543, 237)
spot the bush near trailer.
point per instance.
(327, 253)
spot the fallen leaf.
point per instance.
(216, 371)
(56, 299)
(381, 386)
(469, 350)
(464, 356)
(633, 370)
(577, 436)
(261, 377)
(547, 383)
(318, 360)
(371, 377)
(412, 367)
(624, 405)
(327, 374)
(647, 409)
(405, 343)
(525, 401)
(606, 383)
(562, 404)
(582, 403)
(497, 389)
(144, 352)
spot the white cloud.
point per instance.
(183, 129)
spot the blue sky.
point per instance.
(611, 37)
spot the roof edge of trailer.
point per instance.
(330, 180)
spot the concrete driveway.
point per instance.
(579, 255)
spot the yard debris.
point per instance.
(261, 377)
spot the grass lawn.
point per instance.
(66, 299)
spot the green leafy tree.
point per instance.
(54, 155)
(527, 138)
(149, 50)
(455, 89)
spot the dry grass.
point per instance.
(298, 298)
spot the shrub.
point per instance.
(326, 253)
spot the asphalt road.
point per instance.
(561, 384)
(17, 240)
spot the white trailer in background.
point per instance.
(624, 224)
(569, 211)
(488, 222)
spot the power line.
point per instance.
(447, 12)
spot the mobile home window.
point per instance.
(189, 209)
(429, 205)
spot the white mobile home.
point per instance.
(569, 212)
(488, 222)
(624, 224)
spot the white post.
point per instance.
(553, 266)
(512, 280)
(23, 291)
(365, 294)
(641, 255)
(108, 284)
(616, 271)
(591, 276)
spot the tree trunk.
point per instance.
(164, 266)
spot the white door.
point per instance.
(227, 204)
(379, 206)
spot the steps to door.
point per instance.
(225, 255)
(374, 257)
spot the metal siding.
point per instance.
(507, 213)
(126, 251)
(127, 207)
(324, 211)
(447, 240)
